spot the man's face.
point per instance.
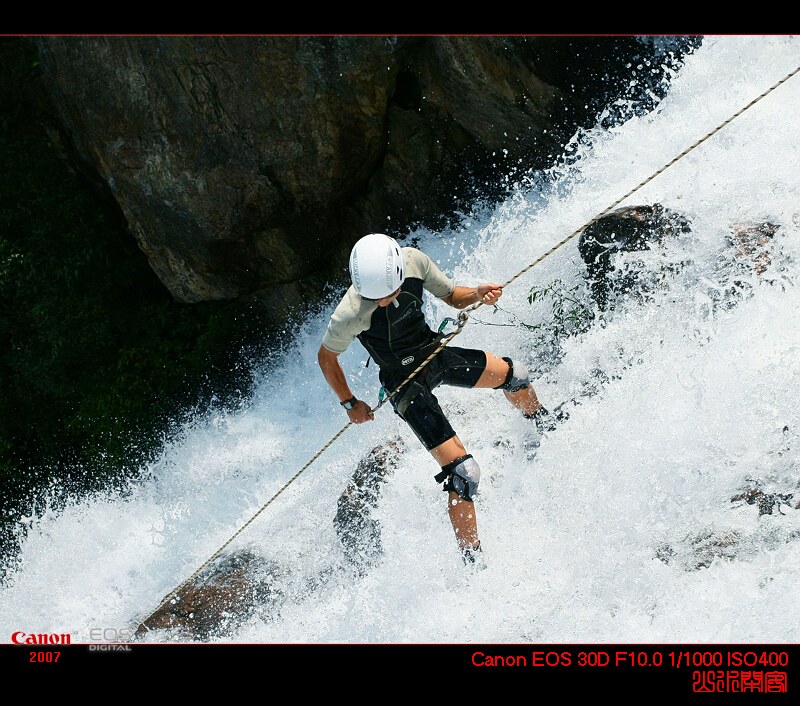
(388, 300)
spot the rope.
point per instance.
(461, 322)
(175, 592)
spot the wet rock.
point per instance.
(768, 503)
(776, 485)
(242, 584)
(223, 596)
(752, 243)
(645, 227)
(628, 229)
(358, 532)
(699, 551)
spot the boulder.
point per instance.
(358, 531)
(644, 227)
(628, 229)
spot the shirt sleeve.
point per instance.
(433, 279)
(351, 317)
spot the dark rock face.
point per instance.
(248, 166)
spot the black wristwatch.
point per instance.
(349, 404)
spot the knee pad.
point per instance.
(517, 378)
(461, 476)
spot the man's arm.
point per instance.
(462, 297)
(334, 374)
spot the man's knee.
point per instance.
(461, 476)
(517, 378)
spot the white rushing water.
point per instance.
(621, 528)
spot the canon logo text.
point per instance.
(43, 638)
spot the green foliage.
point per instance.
(562, 310)
(570, 312)
(565, 311)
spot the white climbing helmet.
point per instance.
(376, 266)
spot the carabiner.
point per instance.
(445, 322)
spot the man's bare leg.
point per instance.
(495, 375)
(462, 512)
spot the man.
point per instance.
(383, 309)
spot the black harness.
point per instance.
(399, 337)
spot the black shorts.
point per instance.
(415, 401)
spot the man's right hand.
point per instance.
(360, 413)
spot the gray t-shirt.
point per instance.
(353, 314)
